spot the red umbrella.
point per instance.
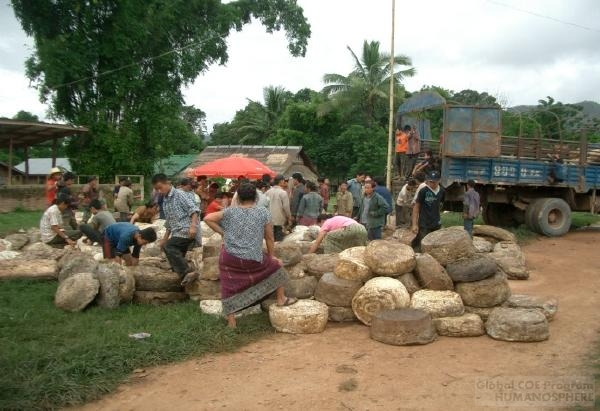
(233, 167)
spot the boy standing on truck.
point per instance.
(426, 210)
(471, 204)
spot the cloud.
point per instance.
(454, 44)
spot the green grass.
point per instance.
(584, 219)
(12, 222)
(51, 359)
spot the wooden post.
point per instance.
(10, 160)
(54, 151)
(26, 154)
(391, 116)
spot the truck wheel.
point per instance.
(530, 213)
(553, 217)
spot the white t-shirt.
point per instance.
(52, 216)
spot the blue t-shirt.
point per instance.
(120, 236)
(385, 193)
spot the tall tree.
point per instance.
(118, 67)
(260, 122)
(366, 88)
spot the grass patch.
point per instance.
(51, 359)
(19, 219)
(584, 219)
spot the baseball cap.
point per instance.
(433, 176)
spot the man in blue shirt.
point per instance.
(119, 237)
(355, 186)
(383, 191)
(182, 224)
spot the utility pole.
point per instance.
(390, 151)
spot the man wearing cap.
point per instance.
(471, 205)
(51, 185)
(279, 206)
(426, 210)
(297, 193)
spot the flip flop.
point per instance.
(189, 277)
(288, 301)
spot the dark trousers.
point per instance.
(355, 212)
(468, 225)
(411, 161)
(58, 241)
(423, 231)
(400, 163)
(175, 250)
(278, 232)
(94, 235)
(374, 233)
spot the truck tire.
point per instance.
(530, 214)
(553, 217)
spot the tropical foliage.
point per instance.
(118, 67)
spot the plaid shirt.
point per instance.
(179, 207)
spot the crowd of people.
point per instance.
(246, 213)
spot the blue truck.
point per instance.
(535, 181)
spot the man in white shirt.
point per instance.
(50, 225)
(279, 206)
(404, 204)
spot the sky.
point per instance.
(517, 50)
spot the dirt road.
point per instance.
(342, 369)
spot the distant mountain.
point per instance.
(591, 109)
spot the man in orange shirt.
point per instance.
(51, 188)
(401, 148)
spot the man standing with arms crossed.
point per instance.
(355, 186)
(182, 224)
(279, 205)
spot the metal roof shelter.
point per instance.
(23, 134)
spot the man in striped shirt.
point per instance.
(183, 226)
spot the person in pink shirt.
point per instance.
(339, 233)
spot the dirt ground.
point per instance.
(342, 369)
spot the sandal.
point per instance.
(288, 301)
(189, 278)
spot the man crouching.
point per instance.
(119, 237)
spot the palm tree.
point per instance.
(259, 120)
(367, 86)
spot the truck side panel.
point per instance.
(505, 171)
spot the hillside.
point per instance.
(591, 109)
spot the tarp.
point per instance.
(421, 101)
(233, 167)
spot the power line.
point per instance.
(543, 16)
(138, 63)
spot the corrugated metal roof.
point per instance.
(173, 165)
(42, 166)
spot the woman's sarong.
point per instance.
(354, 235)
(246, 282)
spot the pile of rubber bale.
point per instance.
(456, 286)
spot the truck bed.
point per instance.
(518, 171)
